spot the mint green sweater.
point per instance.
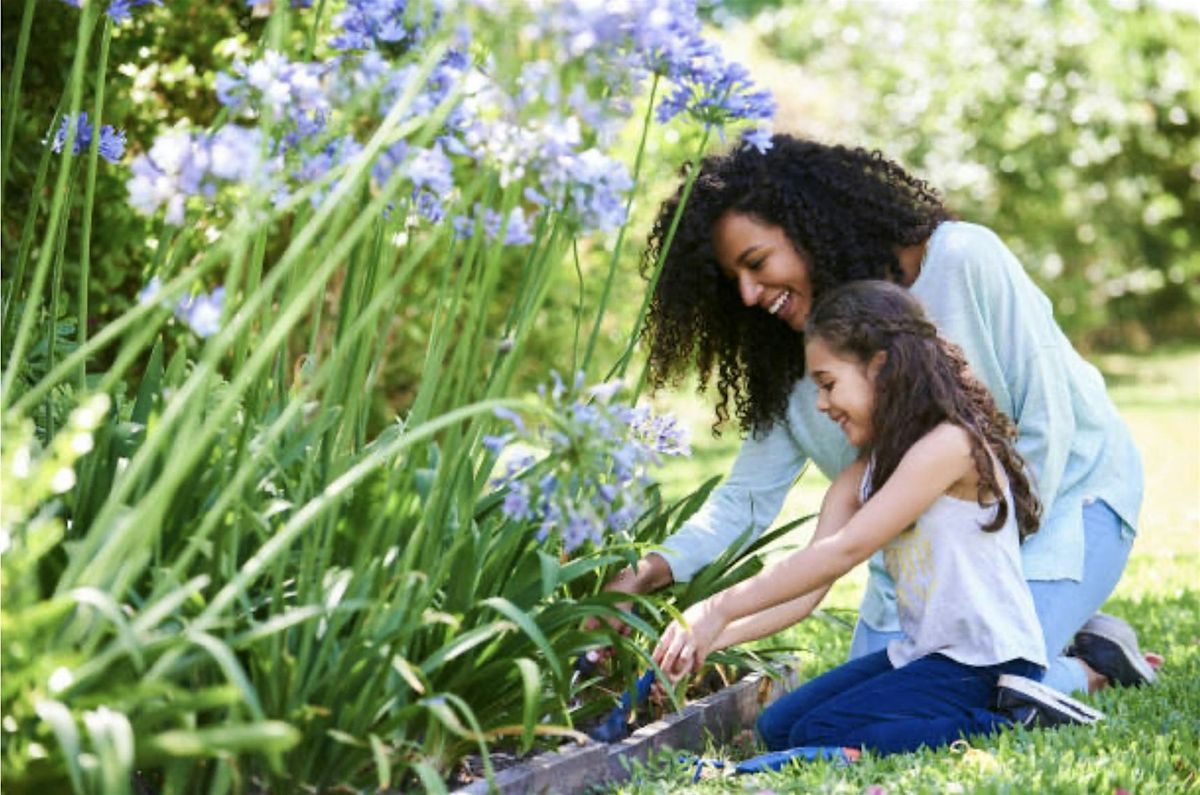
(1076, 444)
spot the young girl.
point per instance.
(940, 489)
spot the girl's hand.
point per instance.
(683, 651)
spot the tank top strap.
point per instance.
(864, 486)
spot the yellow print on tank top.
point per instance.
(909, 560)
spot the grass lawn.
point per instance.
(1150, 741)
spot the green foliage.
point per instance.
(1072, 128)
(221, 570)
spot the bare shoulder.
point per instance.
(947, 445)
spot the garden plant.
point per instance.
(224, 568)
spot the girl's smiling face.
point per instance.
(845, 388)
(770, 273)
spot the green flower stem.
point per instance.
(623, 363)
(56, 278)
(16, 357)
(27, 231)
(575, 363)
(475, 335)
(12, 112)
(310, 42)
(234, 286)
(85, 234)
(616, 255)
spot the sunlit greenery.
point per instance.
(1070, 127)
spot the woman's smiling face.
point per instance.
(770, 273)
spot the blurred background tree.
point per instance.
(1071, 127)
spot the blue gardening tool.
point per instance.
(776, 760)
(615, 726)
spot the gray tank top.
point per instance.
(959, 589)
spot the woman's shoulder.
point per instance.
(970, 254)
(960, 235)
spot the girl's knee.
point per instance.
(773, 729)
(816, 731)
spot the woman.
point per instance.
(765, 233)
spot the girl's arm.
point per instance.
(840, 503)
(927, 470)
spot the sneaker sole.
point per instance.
(1040, 692)
(1133, 655)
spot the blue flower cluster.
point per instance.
(628, 39)
(279, 89)
(119, 11)
(200, 312)
(182, 164)
(592, 477)
(368, 24)
(112, 141)
(551, 94)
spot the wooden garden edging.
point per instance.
(720, 715)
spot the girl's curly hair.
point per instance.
(845, 210)
(923, 382)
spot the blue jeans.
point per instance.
(866, 703)
(1062, 605)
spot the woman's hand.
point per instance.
(650, 573)
(683, 651)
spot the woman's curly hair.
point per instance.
(923, 382)
(845, 210)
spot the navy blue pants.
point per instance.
(868, 704)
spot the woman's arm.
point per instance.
(925, 472)
(838, 506)
(751, 496)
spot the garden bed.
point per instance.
(574, 768)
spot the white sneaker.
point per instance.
(1035, 705)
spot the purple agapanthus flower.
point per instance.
(282, 89)
(366, 24)
(593, 478)
(112, 141)
(202, 313)
(149, 293)
(183, 164)
(120, 11)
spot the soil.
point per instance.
(470, 769)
